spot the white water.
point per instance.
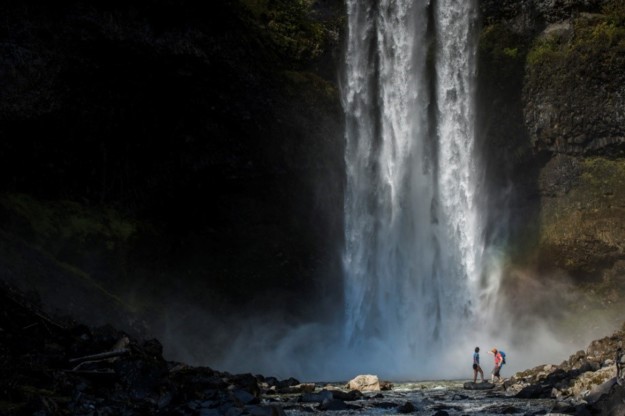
(413, 262)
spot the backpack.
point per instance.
(503, 357)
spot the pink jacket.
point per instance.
(498, 359)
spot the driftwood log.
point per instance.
(101, 356)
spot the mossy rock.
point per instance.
(575, 87)
(581, 224)
(54, 224)
(293, 29)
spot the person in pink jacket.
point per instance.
(498, 364)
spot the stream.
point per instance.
(426, 398)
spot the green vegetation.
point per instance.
(546, 51)
(597, 41)
(615, 12)
(583, 228)
(54, 222)
(316, 88)
(501, 49)
(604, 177)
(292, 27)
(65, 234)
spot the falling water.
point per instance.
(413, 236)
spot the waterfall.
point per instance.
(413, 237)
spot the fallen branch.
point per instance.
(103, 372)
(101, 356)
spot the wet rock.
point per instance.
(509, 383)
(304, 387)
(588, 381)
(298, 388)
(234, 411)
(583, 384)
(478, 386)
(332, 404)
(290, 382)
(164, 400)
(209, 412)
(407, 407)
(316, 397)
(264, 411)
(384, 405)
(271, 381)
(349, 396)
(575, 358)
(244, 397)
(246, 382)
(71, 369)
(534, 391)
(569, 408)
(611, 401)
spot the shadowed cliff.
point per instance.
(171, 152)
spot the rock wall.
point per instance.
(585, 383)
(553, 105)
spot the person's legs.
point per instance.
(481, 373)
(495, 374)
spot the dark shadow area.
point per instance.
(172, 152)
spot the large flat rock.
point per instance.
(485, 385)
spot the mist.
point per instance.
(533, 320)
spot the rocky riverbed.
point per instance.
(53, 366)
(584, 384)
(424, 398)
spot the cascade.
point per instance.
(414, 240)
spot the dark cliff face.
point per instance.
(171, 147)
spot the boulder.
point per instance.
(368, 383)
(610, 401)
(364, 383)
(598, 392)
(485, 385)
(589, 381)
(316, 397)
(298, 388)
(349, 396)
(407, 407)
(332, 404)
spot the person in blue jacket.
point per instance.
(476, 365)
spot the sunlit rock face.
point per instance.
(562, 135)
(574, 96)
